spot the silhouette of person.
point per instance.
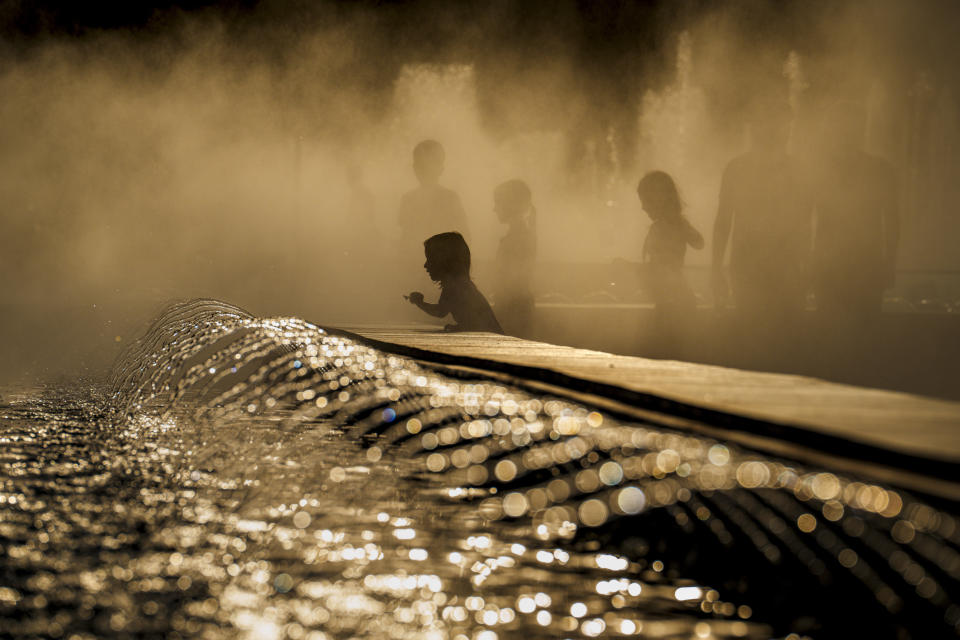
(361, 232)
(857, 224)
(361, 202)
(430, 208)
(765, 215)
(665, 247)
(516, 255)
(448, 264)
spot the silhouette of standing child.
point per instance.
(666, 244)
(448, 264)
(516, 255)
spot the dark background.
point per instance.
(615, 50)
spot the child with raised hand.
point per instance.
(448, 264)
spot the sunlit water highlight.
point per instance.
(262, 477)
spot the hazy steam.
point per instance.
(202, 164)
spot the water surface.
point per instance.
(261, 477)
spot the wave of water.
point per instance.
(267, 477)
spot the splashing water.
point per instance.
(267, 477)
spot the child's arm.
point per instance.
(693, 237)
(436, 310)
(433, 309)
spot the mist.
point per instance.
(206, 152)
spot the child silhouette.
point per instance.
(448, 264)
(431, 207)
(666, 244)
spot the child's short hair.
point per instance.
(429, 149)
(450, 252)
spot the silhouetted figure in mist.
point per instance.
(430, 208)
(361, 232)
(857, 225)
(665, 247)
(448, 264)
(764, 203)
(516, 255)
(360, 203)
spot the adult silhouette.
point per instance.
(857, 222)
(516, 256)
(764, 217)
(361, 234)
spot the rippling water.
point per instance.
(264, 478)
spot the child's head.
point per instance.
(659, 197)
(448, 257)
(511, 200)
(428, 158)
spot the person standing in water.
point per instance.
(516, 255)
(430, 208)
(361, 234)
(448, 264)
(765, 215)
(857, 225)
(665, 247)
